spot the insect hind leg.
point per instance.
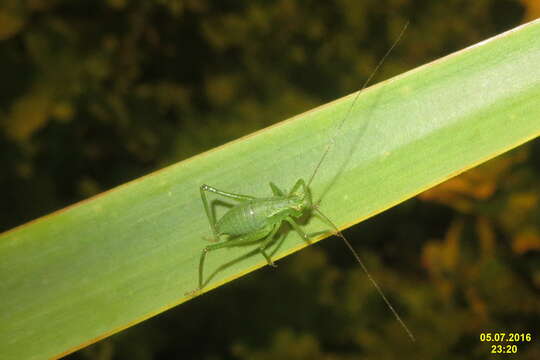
(239, 241)
(209, 213)
(226, 194)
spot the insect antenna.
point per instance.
(348, 113)
(321, 160)
(364, 268)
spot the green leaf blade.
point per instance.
(114, 260)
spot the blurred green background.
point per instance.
(97, 93)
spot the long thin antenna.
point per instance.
(373, 282)
(347, 114)
(323, 157)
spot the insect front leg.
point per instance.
(298, 229)
(209, 213)
(299, 183)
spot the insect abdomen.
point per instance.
(249, 216)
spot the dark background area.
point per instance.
(97, 93)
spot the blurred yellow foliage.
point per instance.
(168, 95)
(117, 4)
(285, 345)
(62, 111)
(526, 240)
(221, 89)
(519, 207)
(523, 202)
(10, 24)
(29, 113)
(486, 236)
(532, 9)
(478, 307)
(441, 259)
(464, 191)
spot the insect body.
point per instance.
(257, 220)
